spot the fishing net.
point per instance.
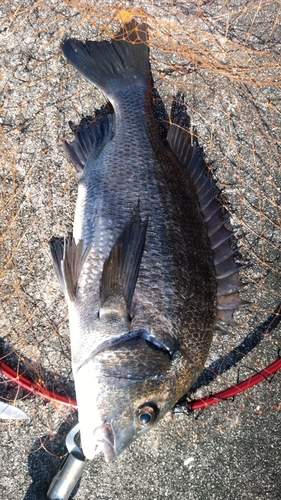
(222, 60)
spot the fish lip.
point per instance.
(104, 441)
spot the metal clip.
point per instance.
(70, 470)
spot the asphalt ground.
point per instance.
(226, 60)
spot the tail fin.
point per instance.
(112, 65)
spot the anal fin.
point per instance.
(90, 137)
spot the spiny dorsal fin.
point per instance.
(90, 137)
(227, 270)
(121, 268)
(68, 261)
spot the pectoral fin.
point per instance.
(121, 268)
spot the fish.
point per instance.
(148, 271)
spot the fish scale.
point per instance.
(140, 273)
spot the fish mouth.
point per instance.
(104, 442)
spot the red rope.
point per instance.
(35, 388)
(193, 405)
(236, 389)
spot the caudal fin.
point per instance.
(113, 65)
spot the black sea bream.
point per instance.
(149, 267)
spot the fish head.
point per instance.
(121, 393)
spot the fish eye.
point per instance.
(146, 415)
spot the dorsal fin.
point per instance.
(68, 260)
(90, 137)
(227, 270)
(121, 268)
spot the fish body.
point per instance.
(139, 272)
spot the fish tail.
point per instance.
(114, 65)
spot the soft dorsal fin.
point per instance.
(227, 270)
(90, 137)
(121, 268)
(68, 260)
